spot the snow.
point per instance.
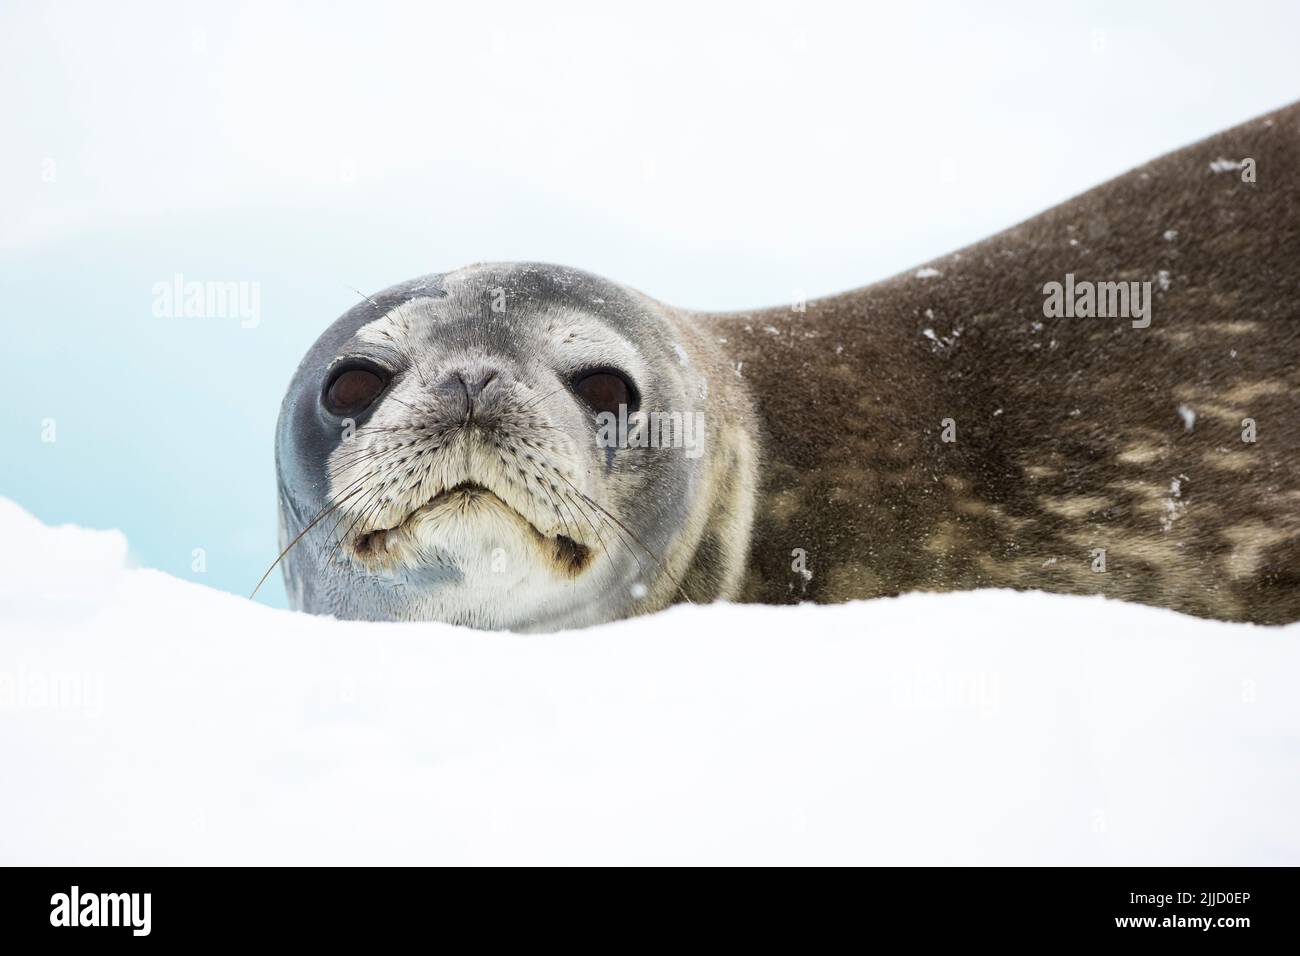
(1225, 165)
(149, 720)
(1174, 504)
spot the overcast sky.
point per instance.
(866, 135)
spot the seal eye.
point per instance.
(605, 391)
(353, 390)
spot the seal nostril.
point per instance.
(463, 388)
(477, 383)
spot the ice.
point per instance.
(149, 720)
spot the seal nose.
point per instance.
(476, 381)
(463, 389)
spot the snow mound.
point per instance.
(147, 720)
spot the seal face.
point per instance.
(473, 448)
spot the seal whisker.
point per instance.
(410, 357)
(298, 537)
(369, 500)
(542, 483)
(353, 458)
(406, 405)
(601, 539)
(616, 522)
(532, 403)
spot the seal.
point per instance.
(1101, 400)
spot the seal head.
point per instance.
(513, 446)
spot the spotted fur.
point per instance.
(1073, 435)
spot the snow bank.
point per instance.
(144, 719)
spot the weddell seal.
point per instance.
(1101, 400)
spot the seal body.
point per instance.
(950, 428)
(1101, 400)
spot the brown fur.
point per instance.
(1069, 436)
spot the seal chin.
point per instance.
(468, 525)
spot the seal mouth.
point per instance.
(567, 555)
